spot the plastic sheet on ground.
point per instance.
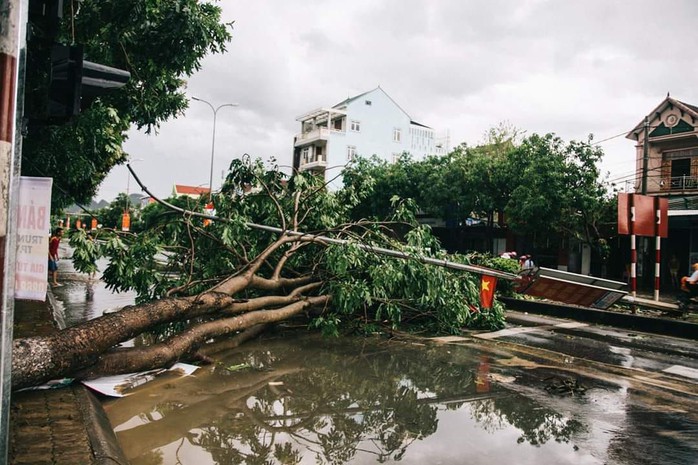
(115, 386)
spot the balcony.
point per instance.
(313, 163)
(680, 183)
(314, 135)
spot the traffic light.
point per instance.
(65, 81)
(75, 82)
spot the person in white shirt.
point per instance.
(527, 262)
(687, 281)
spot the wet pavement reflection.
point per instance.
(81, 297)
(303, 399)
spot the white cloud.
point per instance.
(567, 67)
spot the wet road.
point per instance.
(299, 398)
(541, 392)
(81, 297)
(650, 355)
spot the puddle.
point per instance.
(302, 399)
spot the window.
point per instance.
(368, 102)
(681, 174)
(351, 152)
(396, 157)
(396, 135)
(355, 126)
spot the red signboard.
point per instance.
(643, 215)
(572, 288)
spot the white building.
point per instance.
(367, 124)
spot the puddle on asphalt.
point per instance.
(302, 399)
(80, 299)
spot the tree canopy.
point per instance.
(541, 185)
(159, 43)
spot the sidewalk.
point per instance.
(65, 426)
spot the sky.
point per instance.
(572, 68)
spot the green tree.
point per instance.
(559, 190)
(197, 282)
(437, 184)
(160, 43)
(543, 186)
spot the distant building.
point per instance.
(672, 172)
(672, 152)
(190, 191)
(368, 124)
(145, 201)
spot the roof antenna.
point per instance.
(667, 94)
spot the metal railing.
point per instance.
(317, 133)
(313, 159)
(683, 182)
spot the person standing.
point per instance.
(53, 244)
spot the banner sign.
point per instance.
(33, 230)
(126, 222)
(643, 215)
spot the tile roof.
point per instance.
(692, 107)
(181, 189)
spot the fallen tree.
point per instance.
(199, 280)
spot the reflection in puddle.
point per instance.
(308, 400)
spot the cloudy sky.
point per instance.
(569, 67)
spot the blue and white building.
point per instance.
(368, 124)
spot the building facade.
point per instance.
(368, 124)
(667, 166)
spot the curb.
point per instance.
(105, 446)
(654, 325)
(106, 449)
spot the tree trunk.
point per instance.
(88, 349)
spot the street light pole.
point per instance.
(213, 138)
(126, 217)
(128, 179)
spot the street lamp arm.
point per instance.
(204, 101)
(215, 109)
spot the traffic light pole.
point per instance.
(13, 16)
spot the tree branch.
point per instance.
(258, 282)
(187, 341)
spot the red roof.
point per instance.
(190, 190)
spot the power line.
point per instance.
(610, 138)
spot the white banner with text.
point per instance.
(33, 231)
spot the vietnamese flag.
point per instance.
(487, 287)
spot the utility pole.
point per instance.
(643, 190)
(645, 155)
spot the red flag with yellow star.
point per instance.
(487, 287)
